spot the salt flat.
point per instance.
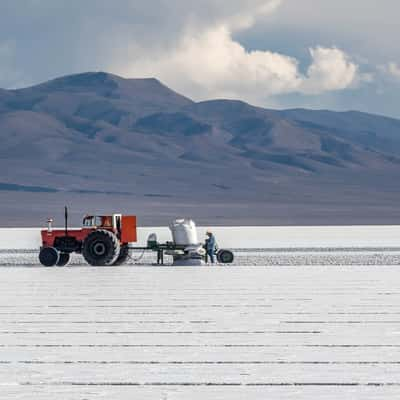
(315, 332)
(245, 257)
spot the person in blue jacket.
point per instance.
(211, 246)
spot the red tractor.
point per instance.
(103, 240)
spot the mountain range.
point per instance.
(102, 143)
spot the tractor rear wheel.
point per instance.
(123, 255)
(101, 247)
(49, 256)
(64, 260)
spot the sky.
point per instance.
(324, 54)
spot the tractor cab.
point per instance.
(103, 221)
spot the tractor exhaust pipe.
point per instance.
(66, 220)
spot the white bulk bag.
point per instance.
(184, 232)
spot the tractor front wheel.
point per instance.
(49, 256)
(101, 247)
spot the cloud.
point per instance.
(394, 70)
(330, 70)
(245, 17)
(210, 63)
(391, 70)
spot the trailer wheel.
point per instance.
(49, 256)
(64, 260)
(123, 255)
(225, 257)
(101, 247)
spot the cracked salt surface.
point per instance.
(321, 332)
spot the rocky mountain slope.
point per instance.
(99, 140)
